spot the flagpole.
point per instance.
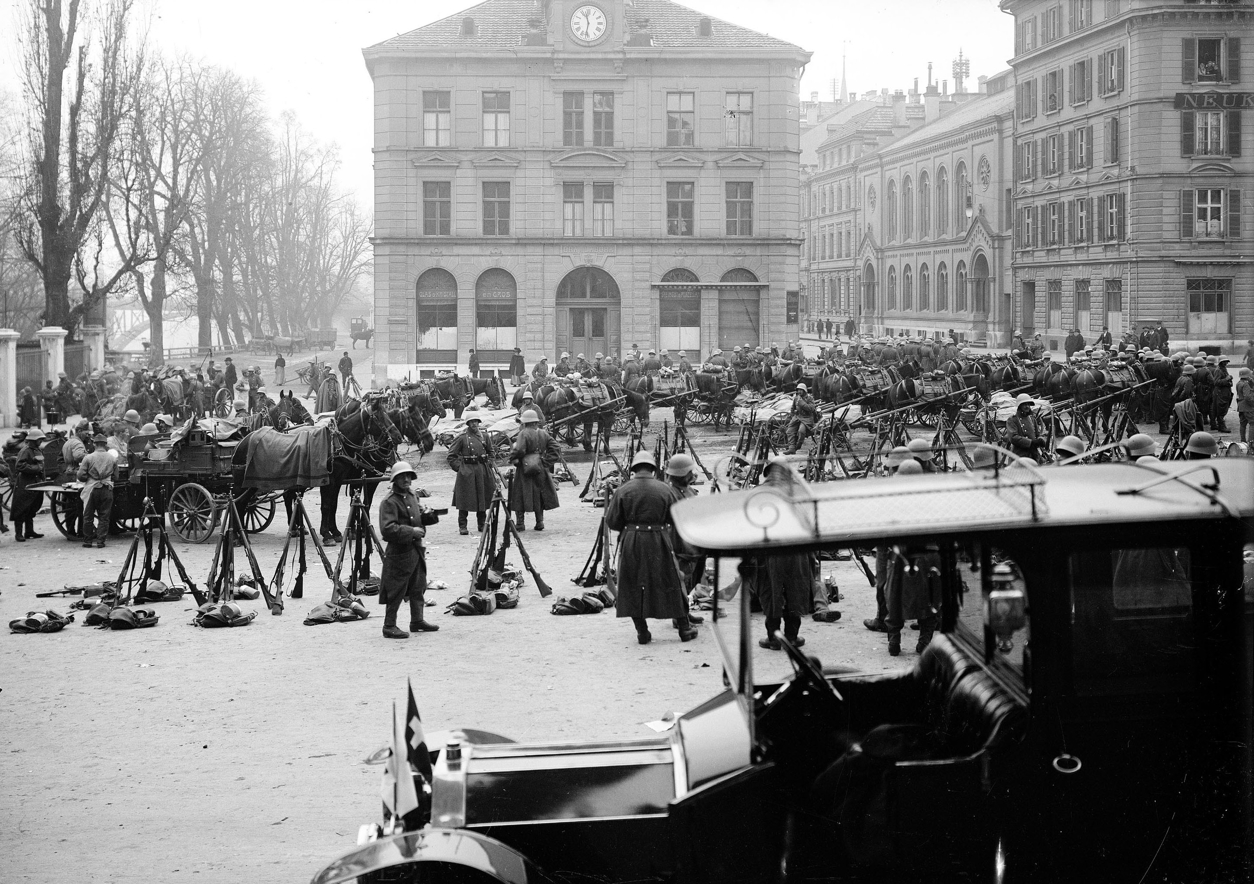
(396, 779)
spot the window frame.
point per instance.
(675, 214)
(573, 214)
(677, 135)
(442, 203)
(602, 220)
(498, 220)
(739, 207)
(500, 134)
(574, 131)
(741, 117)
(602, 133)
(432, 130)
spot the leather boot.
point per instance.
(894, 644)
(925, 638)
(462, 517)
(481, 521)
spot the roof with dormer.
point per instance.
(503, 24)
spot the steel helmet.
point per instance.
(401, 468)
(471, 413)
(802, 388)
(575, 376)
(1023, 399)
(599, 356)
(35, 434)
(1071, 445)
(1202, 443)
(910, 467)
(1189, 369)
(643, 459)
(983, 458)
(149, 429)
(131, 416)
(683, 353)
(579, 356)
(1140, 445)
(530, 417)
(527, 394)
(163, 419)
(241, 405)
(919, 446)
(679, 465)
(899, 455)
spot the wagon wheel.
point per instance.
(124, 525)
(501, 446)
(258, 515)
(192, 513)
(222, 403)
(58, 509)
(699, 413)
(779, 432)
(6, 494)
(623, 421)
(926, 418)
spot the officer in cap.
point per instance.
(470, 458)
(403, 526)
(649, 585)
(1221, 395)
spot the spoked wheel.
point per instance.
(779, 432)
(699, 413)
(925, 418)
(59, 506)
(192, 513)
(258, 515)
(501, 446)
(124, 525)
(6, 494)
(222, 403)
(623, 421)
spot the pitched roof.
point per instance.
(961, 117)
(502, 24)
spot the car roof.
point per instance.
(1018, 496)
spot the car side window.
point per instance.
(1132, 621)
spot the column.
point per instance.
(94, 337)
(52, 342)
(8, 377)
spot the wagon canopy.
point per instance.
(277, 461)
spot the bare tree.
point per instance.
(79, 74)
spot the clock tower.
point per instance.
(587, 24)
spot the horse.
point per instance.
(414, 427)
(752, 377)
(493, 388)
(367, 449)
(784, 378)
(718, 392)
(362, 334)
(1053, 380)
(637, 393)
(459, 396)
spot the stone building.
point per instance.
(581, 177)
(1132, 194)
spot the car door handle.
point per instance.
(1067, 764)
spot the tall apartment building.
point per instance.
(562, 175)
(1129, 174)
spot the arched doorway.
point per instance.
(868, 289)
(738, 310)
(679, 313)
(979, 288)
(436, 304)
(496, 316)
(588, 313)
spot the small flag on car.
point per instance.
(416, 738)
(398, 792)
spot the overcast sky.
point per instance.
(306, 54)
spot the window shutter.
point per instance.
(1018, 162)
(1071, 221)
(1109, 140)
(1092, 220)
(1071, 83)
(1071, 16)
(1122, 54)
(1187, 141)
(1036, 227)
(1088, 153)
(1123, 215)
(1071, 149)
(1186, 214)
(1188, 52)
(1233, 60)
(1102, 229)
(1234, 213)
(1019, 230)
(1088, 79)
(1036, 101)
(1038, 162)
(1232, 125)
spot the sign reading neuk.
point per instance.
(1215, 101)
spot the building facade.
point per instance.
(568, 176)
(1131, 191)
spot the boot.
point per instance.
(481, 521)
(643, 636)
(894, 644)
(423, 626)
(462, 517)
(925, 638)
(540, 520)
(875, 624)
(394, 632)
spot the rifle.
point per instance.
(512, 530)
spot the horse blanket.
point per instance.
(173, 389)
(279, 461)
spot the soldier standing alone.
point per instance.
(403, 525)
(468, 457)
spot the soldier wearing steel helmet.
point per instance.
(402, 523)
(802, 419)
(533, 455)
(28, 470)
(470, 458)
(649, 581)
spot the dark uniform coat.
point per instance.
(517, 366)
(469, 456)
(28, 469)
(648, 576)
(405, 560)
(531, 493)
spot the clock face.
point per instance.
(588, 23)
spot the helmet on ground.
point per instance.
(149, 429)
(131, 416)
(643, 459)
(530, 417)
(679, 465)
(909, 468)
(919, 448)
(402, 468)
(983, 458)
(1202, 443)
(899, 455)
(1140, 445)
(1070, 445)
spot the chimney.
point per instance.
(931, 106)
(899, 108)
(983, 87)
(944, 87)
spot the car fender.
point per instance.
(456, 847)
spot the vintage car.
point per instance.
(1083, 712)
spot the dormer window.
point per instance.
(468, 27)
(705, 27)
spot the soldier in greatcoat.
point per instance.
(533, 456)
(403, 526)
(649, 581)
(469, 457)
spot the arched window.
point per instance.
(890, 209)
(868, 288)
(925, 205)
(960, 197)
(496, 314)
(960, 288)
(907, 208)
(942, 201)
(436, 302)
(890, 302)
(907, 288)
(591, 283)
(679, 309)
(925, 288)
(979, 278)
(942, 287)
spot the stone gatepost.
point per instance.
(94, 338)
(8, 377)
(52, 342)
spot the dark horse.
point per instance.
(718, 392)
(367, 449)
(493, 388)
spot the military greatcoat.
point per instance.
(405, 560)
(532, 493)
(469, 456)
(648, 577)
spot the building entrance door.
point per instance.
(587, 331)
